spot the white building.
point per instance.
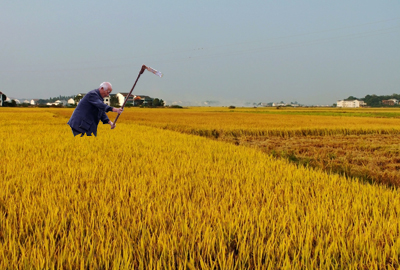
(60, 102)
(278, 104)
(351, 103)
(79, 97)
(1, 99)
(34, 101)
(121, 98)
(71, 101)
(106, 100)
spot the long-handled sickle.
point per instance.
(140, 73)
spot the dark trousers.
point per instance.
(75, 132)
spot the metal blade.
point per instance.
(152, 70)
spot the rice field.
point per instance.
(361, 143)
(151, 194)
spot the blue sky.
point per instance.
(231, 52)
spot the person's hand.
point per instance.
(111, 124)
(118, 110)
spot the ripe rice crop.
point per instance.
(229, 123)
(215, 122)
(356, 142)
(140, 197)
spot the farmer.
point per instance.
(90, 110)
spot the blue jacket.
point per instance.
(90, 110)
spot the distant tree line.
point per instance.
(158, 102)
(114, 102)
(53, 99)
(13, 103)
(375, 100)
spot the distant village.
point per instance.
(117, 100)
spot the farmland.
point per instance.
(208, 188)
(361, 143)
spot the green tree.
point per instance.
(3, 98)
(13, 103)
(156, 102)
(373, 100)
(114, 102)
(351, 98)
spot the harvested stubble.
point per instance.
(143, 198)
(371, 157)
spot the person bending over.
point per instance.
(90, 110)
